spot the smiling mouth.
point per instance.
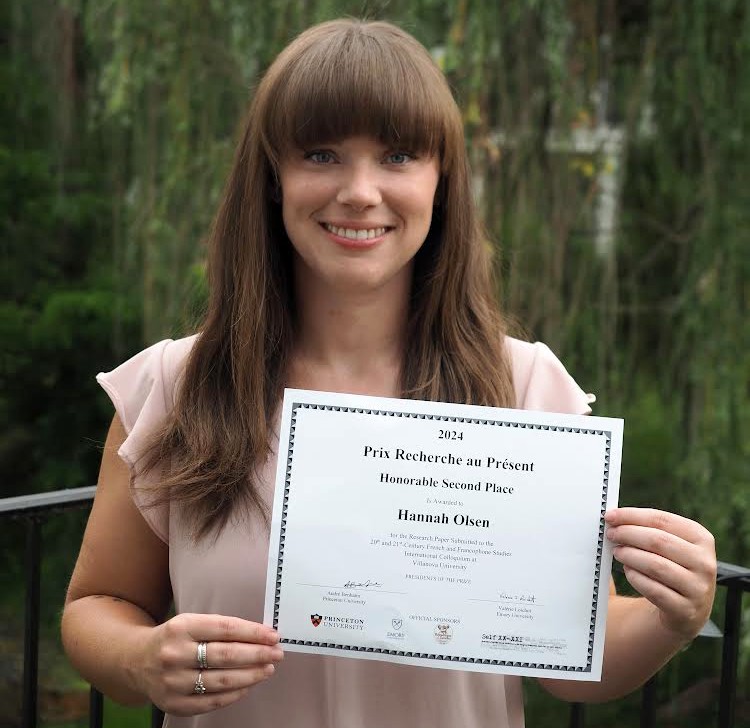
(351, 234)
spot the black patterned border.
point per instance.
(468, 420)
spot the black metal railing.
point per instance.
(34, 510)
(736, 580)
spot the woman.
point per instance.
(346, 256)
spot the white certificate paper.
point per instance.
(442, 535)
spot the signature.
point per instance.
(361, 584)
(530, 598)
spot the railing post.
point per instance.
(729, 655)
(96, 708)
(648, 703)
(31, 625)
(576, 715)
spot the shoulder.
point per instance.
(542, 382)
(150, 376)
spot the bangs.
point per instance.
(360, 82)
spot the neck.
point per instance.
(350, 341)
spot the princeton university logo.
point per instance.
(397, 624)
(316, 619)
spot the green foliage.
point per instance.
(115, 716)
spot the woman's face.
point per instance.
(357, 212)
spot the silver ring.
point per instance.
(202, 656)
(199, 688)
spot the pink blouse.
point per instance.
(227, 576)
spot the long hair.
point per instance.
(337, 79)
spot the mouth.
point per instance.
(358, 234)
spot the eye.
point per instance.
(320, 156)
(399, 157)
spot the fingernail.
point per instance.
(277, 654)
(269, 669)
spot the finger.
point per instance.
(681, 616)
(198, 704)
(660, 570)
(222, 681)
(234, 654)
(658, 542)
(661, 596)
(220, 628)
(662, 520)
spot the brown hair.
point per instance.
(337, 79)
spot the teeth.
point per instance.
(355, 234)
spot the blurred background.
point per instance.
(610, 143)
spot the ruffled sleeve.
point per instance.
(142, 390)
(542, 382)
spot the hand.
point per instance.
(668, 559)
(239, 654)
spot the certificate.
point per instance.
(442, 535)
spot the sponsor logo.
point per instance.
(397, 632)
(443, 633)
(327, 622)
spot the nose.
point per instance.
(360, 188)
